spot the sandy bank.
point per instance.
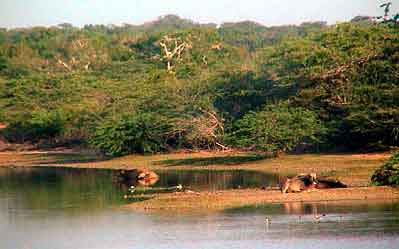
(221, 200)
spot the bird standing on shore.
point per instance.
(317, 218)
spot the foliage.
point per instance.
(387, 174)
(41, 125)
(143, 133)
(240, 92)
(348, 75)
(100, 85)
(277, 128)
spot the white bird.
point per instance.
(317, 218)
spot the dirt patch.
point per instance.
(3, 144)
(372, 155)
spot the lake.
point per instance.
(51, 208)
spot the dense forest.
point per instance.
(176, 84)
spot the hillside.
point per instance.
(176, 84)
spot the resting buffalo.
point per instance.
(146, 177)
(329, 183)
(136, 177)
(306, 182)
(298, 183)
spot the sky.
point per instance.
(27, 13)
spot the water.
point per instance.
(68, 208)
(200, 180)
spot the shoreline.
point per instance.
(354, 170)
(235, 199)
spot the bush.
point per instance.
(387, 174)
(140, 133)
(39, 125)
(278, 128)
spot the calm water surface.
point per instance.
(70, 208)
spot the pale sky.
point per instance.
(26, 13)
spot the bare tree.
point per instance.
(202, 130)
(172, 49)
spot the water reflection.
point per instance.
(342, 207)
(135, 177)
(196, 180)
(90, 189)
(326, 221)
(68, 208)
(129, 181)
(53, 189)
(204, 180)
(308, 208)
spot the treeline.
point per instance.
(174, 84)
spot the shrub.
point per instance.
(39, 125)
(387, 174)
(139, 133)
(277, 128)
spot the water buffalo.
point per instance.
(304, 182)
(299, 183)
(329, 183)
(136, 177)
(146, 177)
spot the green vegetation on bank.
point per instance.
(387, 174)
(174, 84)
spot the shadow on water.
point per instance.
(206, 161)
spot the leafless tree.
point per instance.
(172, 50)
